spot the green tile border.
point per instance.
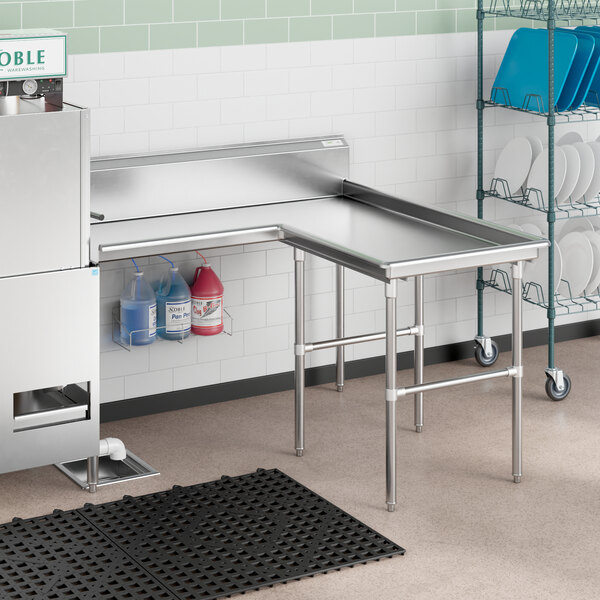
(309, 29)
(265, 31)
(353, 26)
(92, 13)
(10, 16)
(220, 33)
(173, 35)
(122, 25)
(124, 38)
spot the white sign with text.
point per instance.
(33, 57)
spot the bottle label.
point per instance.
(178, 316)
(207, 312)
(152, 320)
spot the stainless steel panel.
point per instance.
(52, 341)
(68, 414)
(41, 185)
(445, 220)
(84, 192)
(191, 242)
(217, 178)
(244, 194)
(40, 408)
(376, 241)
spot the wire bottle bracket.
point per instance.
(533, 104)
(534, 293)
(117, 338)
(565, 10)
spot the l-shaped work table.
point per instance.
(298, 192)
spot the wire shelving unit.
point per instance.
(551, 13)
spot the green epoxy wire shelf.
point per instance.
(550, 12)
(533, 293)
(540, 10)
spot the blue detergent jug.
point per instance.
(174, 305)
(138, 311)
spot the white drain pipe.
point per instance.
(112, 447)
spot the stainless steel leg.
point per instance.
(299, 350)
(419, 350)
(390, 392)
(340, 326)
(517, 360)
(93, 465)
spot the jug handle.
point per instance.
(196, 275)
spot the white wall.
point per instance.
(406, 106)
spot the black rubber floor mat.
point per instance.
(62, 556)
(203, 541)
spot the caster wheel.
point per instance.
(554, 393)
(482, 359)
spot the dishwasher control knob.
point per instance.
(30, 86)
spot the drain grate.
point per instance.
(203, 541)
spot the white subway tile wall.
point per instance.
(406, 106)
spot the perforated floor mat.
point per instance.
(62, 556)
(203, 541)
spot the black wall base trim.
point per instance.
(257, 386)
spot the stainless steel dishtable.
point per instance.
(298, 192)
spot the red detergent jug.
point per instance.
(207, 302)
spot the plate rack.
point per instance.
(573, 11)
(534, 293)
(533, 198)
(534, 104)
(551, 13)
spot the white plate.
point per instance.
(537, 271)
(532, 229)
(594, 188)
(588, 166)
(514, 163)
(568, 225)
(571, 137)
(536, 146)
(572, 174)
(594, 221)
(538, 176)
(578, 262)
(594, 238)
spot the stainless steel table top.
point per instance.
(373, 233)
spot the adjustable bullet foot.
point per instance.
(391, 507)
(419, 428)
(340, 388)
(299, 452)
(517, 478)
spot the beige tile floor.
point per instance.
(468, 530)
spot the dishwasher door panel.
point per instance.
(40, 192)
(50, 327)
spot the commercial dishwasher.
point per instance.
(49, 306)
